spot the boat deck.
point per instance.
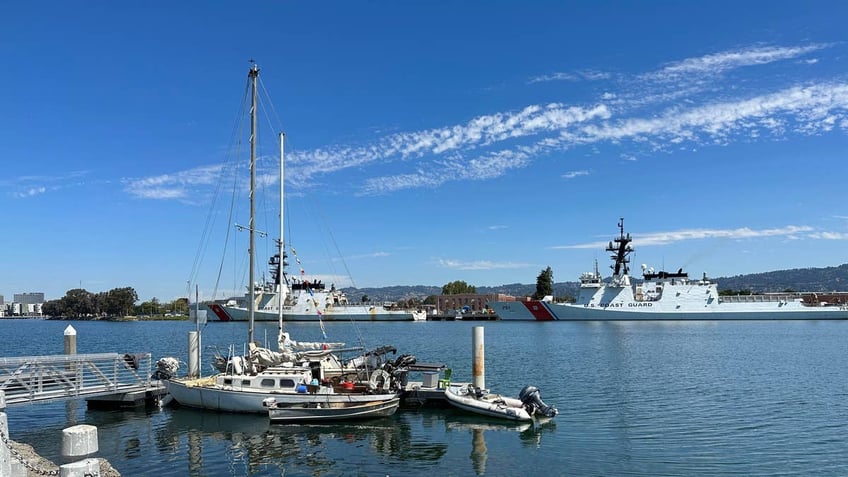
(427, 392)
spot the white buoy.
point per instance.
(478, 358)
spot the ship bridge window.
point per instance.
(267, 383)
(286, 383)
(245, 382)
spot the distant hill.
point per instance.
(826, 279)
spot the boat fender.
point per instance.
(380, 380)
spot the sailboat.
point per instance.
(299, 373)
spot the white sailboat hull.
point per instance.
(196, 394)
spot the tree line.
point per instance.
(544, 286)
(83, 304)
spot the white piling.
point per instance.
(5, 456)
(70, 340)
(478, 358)
(79, 442)
(83, 468)
(193, 354)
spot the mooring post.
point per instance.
(71, 349)
(70, 340)
(193, 350)
(478, 358)
(5, 456)
(79, 443)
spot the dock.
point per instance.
(105, 380)
(430, 391)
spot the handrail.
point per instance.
(31, 379)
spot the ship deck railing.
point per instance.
(760, 298)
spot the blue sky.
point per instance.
(428, 141)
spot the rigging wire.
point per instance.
(210, 217)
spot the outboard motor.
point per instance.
(400, 370)
(533, 402)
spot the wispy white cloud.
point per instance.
(480, 265)
(829, 235)
(801, 109)
(173, 186)
(665, 238)
(32, 191)
(558, 76)
(724, 61)
(497, 227)
(26, 186)
(586, 75)
(493, 145)
(573, 174)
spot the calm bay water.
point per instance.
(649, 398)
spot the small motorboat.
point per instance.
(318, 410)
(473, 399)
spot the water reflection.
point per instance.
(250, 445)
(529, 433)
(253, 444)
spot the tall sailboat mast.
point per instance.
(253, 75)
(280, 277)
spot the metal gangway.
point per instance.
(37, 379)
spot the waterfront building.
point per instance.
(468, 302)
(30, 298)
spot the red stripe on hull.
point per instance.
(219, 312)
(539, 310)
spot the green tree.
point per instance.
(53, 308)
(180, 305)
(120, 301)
(78, 303)
(544, 284)
(458, 287)
(365, 298)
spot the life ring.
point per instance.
(380, 379)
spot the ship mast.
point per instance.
(621, 248)
(280, 279)
(253, 75)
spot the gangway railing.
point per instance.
(31, 379)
